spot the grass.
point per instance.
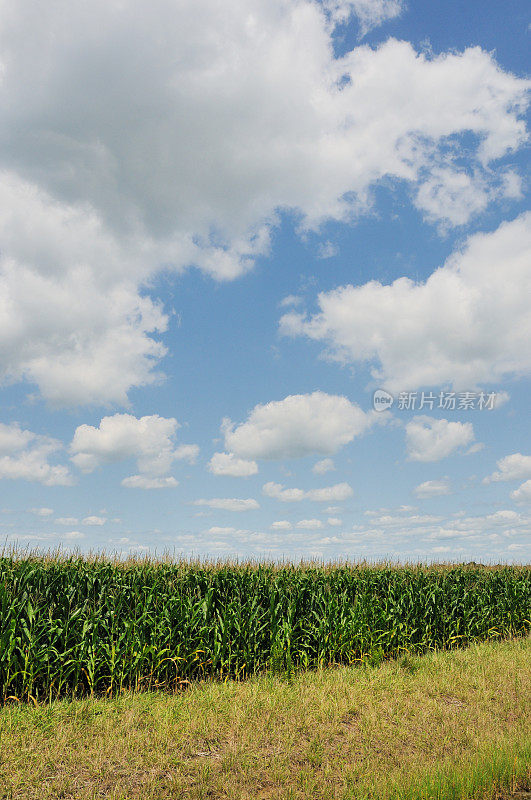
(76, 626)
(445, 725)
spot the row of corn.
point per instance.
(75, 626)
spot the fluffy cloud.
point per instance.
(147, 482)
(523, 493)
(430, 439)
(515, 467)
(309, 524)
(132, 139)
(281, 525)
(299, 425)
(370, 13)
(25, 455)
(323, 466)
(432, 488)
(229, 503)
(73, 535)
(149, 440)
(341, 491)
(468, 324)
(72, 319)
(220, 531)
(229, 464)
(186, 452)
(93, 520)
(41, 512)
(334, 521)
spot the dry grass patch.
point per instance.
(446, 725)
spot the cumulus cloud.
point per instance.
(133, 140)
(41, 512)
(433, 488)
(297, 426)
(323, 466)
(217, 530)
(73, 535)
(229, 503)
(309, 524)
(150, 440)
(523, 493)
(430, 439)
(370, 13)
(229, 464)
(334, 521)
(468, 324)
(147, 482)
(73, 321)
(281, 525)
(515, 467)
(25, 455)
(341, 491)
(186, 452)
(94, 520)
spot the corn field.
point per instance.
(74, 626)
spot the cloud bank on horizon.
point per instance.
(153, 155)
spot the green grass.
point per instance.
(74, 626)
(452, 725)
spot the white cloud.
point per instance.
(503, 516)
(309, 524)
(290, 300)
(66, 521)
(341, 491)
(186, 452)
(229, 464)
(229, 504)
(327, 250)
(41, 512)
(433, 488)
(430, 439)
(73, 535)
(73, 321)
(13, 439)
(297, 426)
(370, 13)
(450, 196)
(98, 192)
(149, 440)
(147, 482)
(282, 525)
(475, 448)
(25, 455)
(334, 521)
(93, 520)
(515, 467)
(321, 467)
(468, 324)
(523, 493)
(217, 531)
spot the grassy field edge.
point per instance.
(443, 726)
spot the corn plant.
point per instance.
(75, 626)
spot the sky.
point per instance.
(265, 279)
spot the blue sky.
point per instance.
(223, 229)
